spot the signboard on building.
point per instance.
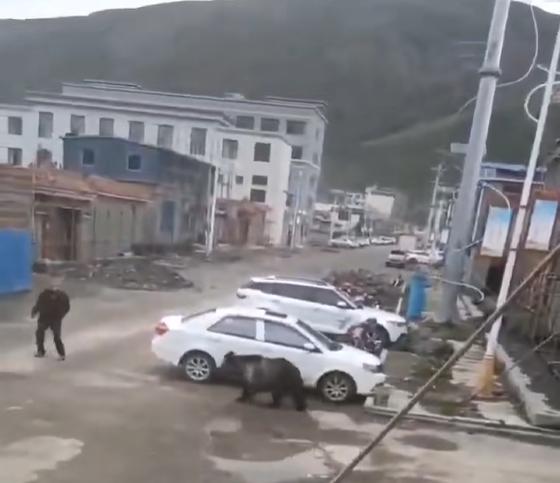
(542, 224)
(496, 232)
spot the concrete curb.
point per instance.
(472, 424)
(535, 407)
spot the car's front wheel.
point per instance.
(337, 387)
(198, 366)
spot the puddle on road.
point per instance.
(426, 441)
(21, 461)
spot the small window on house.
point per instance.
(262, 152)
(230, 147)
(270, 125)
(316, 158)
(312, 182)
(134, 162)
(260, 180)
(220, 179)
(46, 124)
(165, 136)
(296, 127)
(239, 180)
(136, 131)
(77, 124)
(297, 152)
(15, 156)
(258, 196)
(106, 127)
(88, 157)
(167, 221)
(15, 126)
(245, 122)
(198, 141)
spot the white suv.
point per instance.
(322, 305)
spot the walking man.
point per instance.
(52, 306)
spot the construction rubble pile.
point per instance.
(367, 288)
(131, 273)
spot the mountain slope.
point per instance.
(388, 68)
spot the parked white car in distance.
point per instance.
(198, 344)
(424, 257)
(321, 305)
(343, 242)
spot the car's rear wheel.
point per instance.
(198, 366)
(337, 387)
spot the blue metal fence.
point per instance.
(16, 259)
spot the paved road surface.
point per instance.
(112, 413)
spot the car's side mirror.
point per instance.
(342, 305)
(308, 346)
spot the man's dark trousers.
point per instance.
(56, 327)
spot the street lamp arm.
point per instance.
(497, 191)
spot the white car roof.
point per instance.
(301, 281)
(257, 313)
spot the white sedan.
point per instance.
(198, 344)
(343, 243)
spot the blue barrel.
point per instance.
(417, 296)
(15, 261)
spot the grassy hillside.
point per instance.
(392, 70)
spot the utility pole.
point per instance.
(295, 224)
(433, 206)
(491, 347)
(462, 219)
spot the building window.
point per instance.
(46, 124)
(134, 162)
(239, 180)
(15, 126)
(230, 147)
(221, 179)
(296, 127)
(245, 122)
(198, 141)
(107, 127)
(270, 125)
(15, 156)
(136, 131)
(318, 133)
(262, 152)
(88, 157)
(297, 152)
(312, 182)
(77, 124)
(260, 180)
(258, 196)
(316, 158)
(165, 136)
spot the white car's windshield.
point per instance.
(322, 338)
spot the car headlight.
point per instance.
(370, 367)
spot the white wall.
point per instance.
(380, 204)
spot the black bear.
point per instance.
(262, 374)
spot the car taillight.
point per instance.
(161, 328)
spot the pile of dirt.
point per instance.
(130, 273)
(371, 288)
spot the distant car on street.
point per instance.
(198, 344)
(396, 259)
(424, 257)
(325, 308)
(343, 242)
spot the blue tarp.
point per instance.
(16, 260)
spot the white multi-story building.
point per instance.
(267, 150)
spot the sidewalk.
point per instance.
(539, 396)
